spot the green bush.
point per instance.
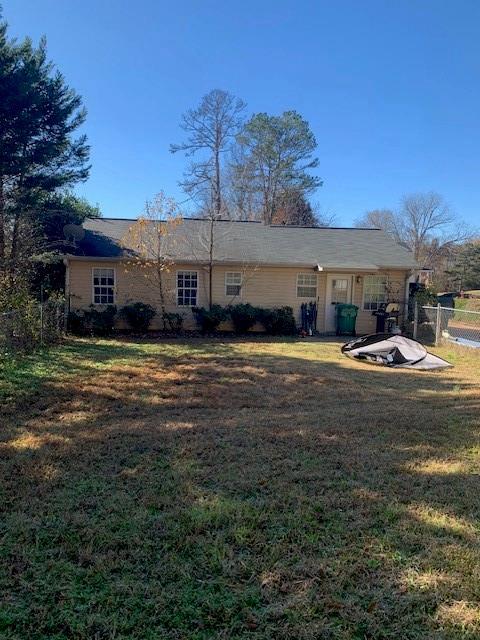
(92, 322)
(14, 293)
(138, 316)
(174, 321)
(243, 316)
(279, 321)
(425, 297)
(209, 319)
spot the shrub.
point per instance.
(209, 319)
(92, 321)
(138, 315)
(425, 296)
(243, 316)
(76, 323)
(14, 293)
(278, 321)
(174, 321)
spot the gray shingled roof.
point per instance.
(256, 243)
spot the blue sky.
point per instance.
(391, 88)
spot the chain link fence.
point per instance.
(435, 325)
(35, 326)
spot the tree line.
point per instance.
(439, 240)
(261, 167)
(255, 169)
(42, 157)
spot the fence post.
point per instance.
(415, 320)
(437, 327)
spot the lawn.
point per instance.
(255, 490)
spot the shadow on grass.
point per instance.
(22, 377)
(198, 491)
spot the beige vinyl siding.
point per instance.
(269, 287)
(133, 285)
(366, 323)
(262, 286)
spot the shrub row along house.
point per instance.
(267, 266)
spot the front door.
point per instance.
(339, 290)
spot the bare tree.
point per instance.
(426, 218)
(150, 241)
(424, 223)
(210, 130)
(325, 217)
(208, 243)
(385, 219)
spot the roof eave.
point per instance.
(297, 265)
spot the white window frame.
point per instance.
(347, 288)
(183, 272)
(381, 297)
(106, 286)
(233, 275)
(307, 286)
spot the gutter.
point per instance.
(72, 258)
(253, 264)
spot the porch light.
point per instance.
(358, 279)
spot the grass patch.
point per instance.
(237, 489)
(467, 304)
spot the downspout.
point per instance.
(406, 297)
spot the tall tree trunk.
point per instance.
(14, 245)
(2, 227)
(161, 292)
(210, 263)
(14, 242)
(216, 214)
(218, 194)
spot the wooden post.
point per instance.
(437, 327)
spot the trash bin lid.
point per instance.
(346, 309)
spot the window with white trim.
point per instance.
(187, 288)
(374, 292)
(233, 283)
(103, 281)
(307, 285)
(339, 293)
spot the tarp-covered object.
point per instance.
(393, 351)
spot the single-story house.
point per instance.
(267, 266)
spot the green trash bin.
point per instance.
(346, 319)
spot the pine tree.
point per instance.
(276, 158)
(39, 155)
(465, 272)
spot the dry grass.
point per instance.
(263, 489)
